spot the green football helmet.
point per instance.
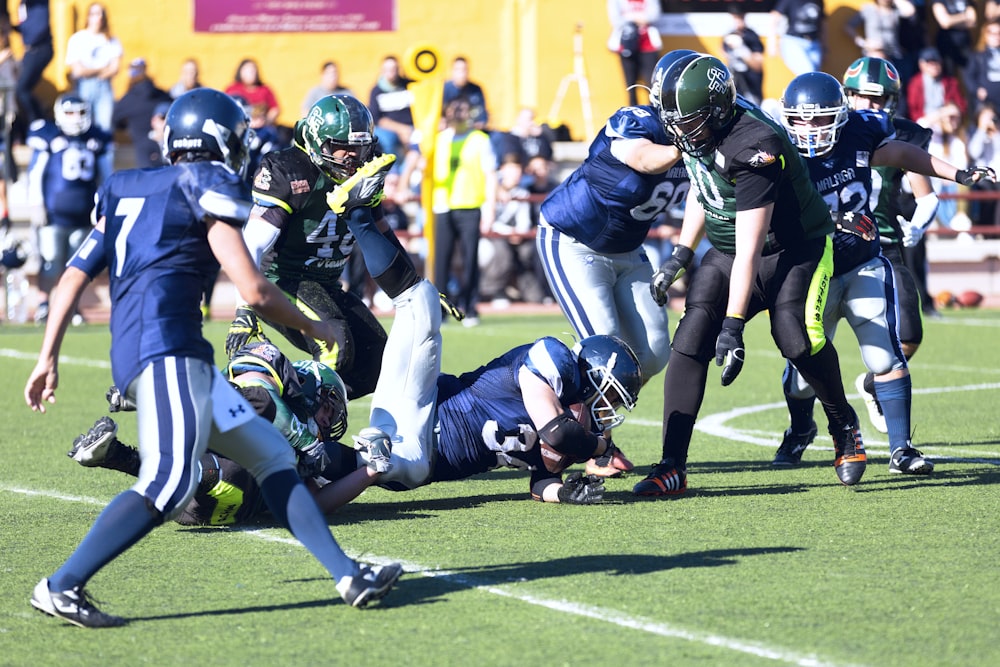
(323, 388)
(873, 77)
(696, 98)
(337, 122)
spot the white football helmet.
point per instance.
(72, 115)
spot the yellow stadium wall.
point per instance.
(519, 51)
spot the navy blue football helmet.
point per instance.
(207, 122)
(613, 378)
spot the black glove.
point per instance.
(729, 349)
(312, 459)
(973, 175)
(855, 223)
(448, 308)
(668, 273)
(243, 329)
(580, 489)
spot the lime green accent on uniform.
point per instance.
(250, 360)
(781, 158)
(327, 355)
(819, 290)
(229, 499)
(273, 200)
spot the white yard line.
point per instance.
(513, 591)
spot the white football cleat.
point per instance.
(874, 409)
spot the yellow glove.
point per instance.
(364, 188)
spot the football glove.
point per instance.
(973, 175)
(668, 273)
(376, 447)
(580, 489)
(448, 308)
(312, 459)
(243, 329)
(364, 188)
(729, 349)
(911, 233)
(855, 223)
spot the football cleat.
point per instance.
(665, 479)
(871, 402)
(371, 583)
(792, 446)
(909, 461)
(73, 606)
(610, 464)
(91, 448)
(850, 461)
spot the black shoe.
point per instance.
(909, 461)
(851, 460)
(74, 606)
(793, 445)
(665, 479)
(372, 583)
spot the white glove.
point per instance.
(911, 233)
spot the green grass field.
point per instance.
(752, 566)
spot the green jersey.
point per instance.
(755, 165)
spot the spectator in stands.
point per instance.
(8, 99)
(36, 36)
(875, 27)
(929, 92)
(984, 149)
(93, 56)
(329, 84)
(134, 112)
(991, 10)
(390, 103)
(189, 78)
(636, 40)
(459, 85)
(526, 138)
(802, 43)
(508, 263)
(982, 76)
(464, 174)
(745, 57)
(248, 85)
(955, 19)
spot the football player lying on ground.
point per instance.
(306, 401)
(599, 371)
(515, 411)
(188, 217)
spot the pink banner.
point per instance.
(294, 15)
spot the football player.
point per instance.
(305, 400)
(840, 147)
(514, 411)
(769, 228)
(902, 216)
(590, 239)
(159, 232)
(63, 176)
(303, 246)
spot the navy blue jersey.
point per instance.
(607, 205)
(844, 179)
(67, 170)
(482, 417)
(158, 258)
